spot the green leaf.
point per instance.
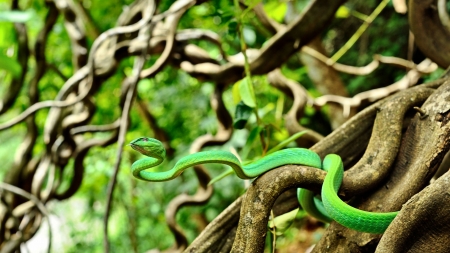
(286, 142)
(276, 10)
(283, 222)
(16, 16)
(241, 115)
(252, 137)
(235, 93)
(10, 65)
(221, 176)
(247, 93)
(232, 28)
(342, 12)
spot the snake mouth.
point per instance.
(137, 148)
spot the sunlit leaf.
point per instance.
(236, 94)
(283, 222)
(16, 16)
(249, 36)
(247, 93)
(342, 12)
(276, 10)
(10, 65)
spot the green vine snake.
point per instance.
(330, 208)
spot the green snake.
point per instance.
(330, 208)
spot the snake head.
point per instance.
(149, 147)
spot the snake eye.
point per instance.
(145, 139)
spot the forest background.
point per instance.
(168, 78)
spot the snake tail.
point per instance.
(343, 213)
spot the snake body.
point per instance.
(332, 208)
(155, 150)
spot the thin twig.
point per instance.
(133, 80)
(274, 232)
(359, 32)
(408, 80)
(369, 68)
(139, 63)
(95, 128)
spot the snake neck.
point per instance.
(145, 163)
